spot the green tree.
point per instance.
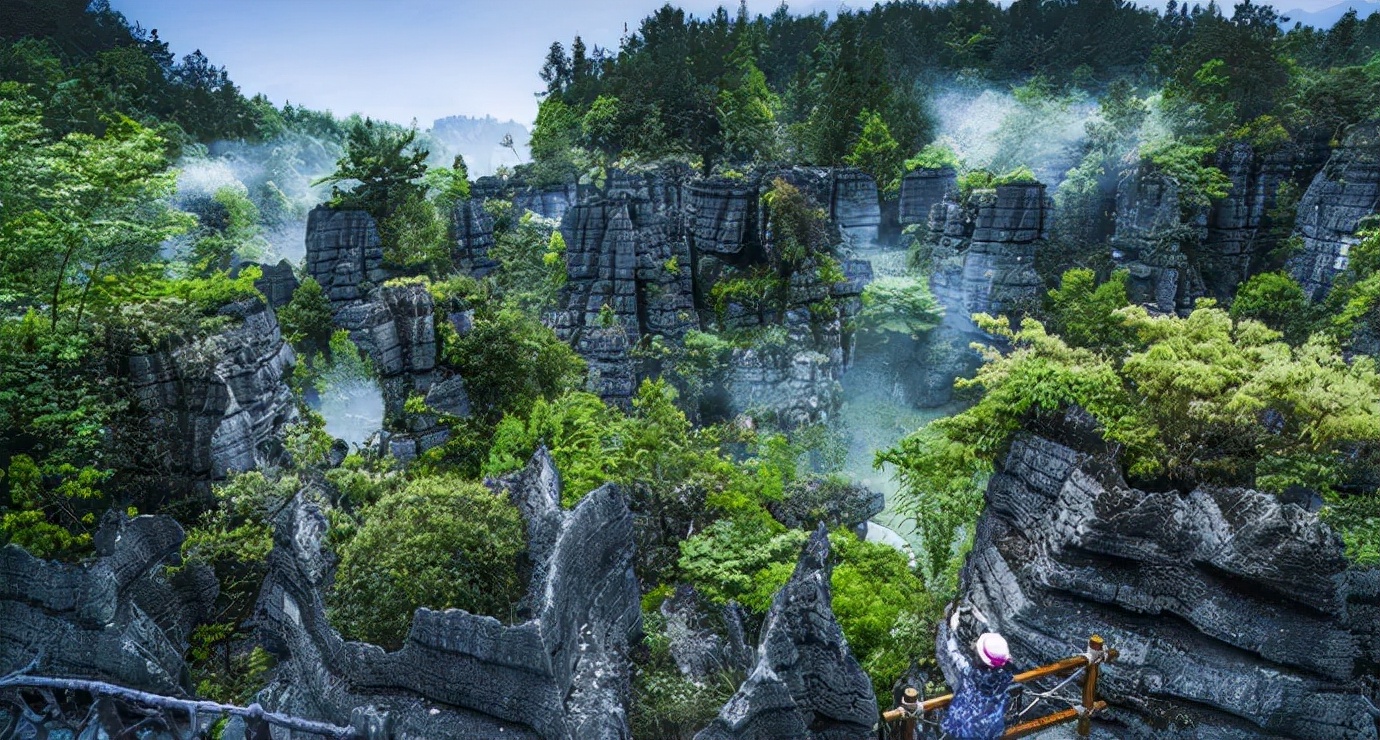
(99, 207)
(877, 154)
(1277, 301)
(440, 542)
(900, 305)
(747, 111)
(387, 164)
(1085, 314)
(228, 230)
(307, 317)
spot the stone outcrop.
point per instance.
(1152, 230)
(704, 643)
(854, 204)
(396, 328)
(563, 673)
(806, 683)
(722, 217)
(999, 266)
(344, 253)
(117, 617)
(1236, 615)
(394, 322)
(473, 231)
(215, 405)
(1346, 191)
(625, 278)
(277, 284)
(922, 190)
(809, 502)
(550, 201)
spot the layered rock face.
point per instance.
(999, 267)
(624, 279)
(394, 324)
(1346, 191)
(473, 231)
(1237, 616)
(561, 674)
(216, 405)
(806, 683)
(117, 618)
(277, 284)
(922, 190)
(344, 253)
(722, 217)
(855, 206)
(1150, 233)
(397, 329)
(981, 259)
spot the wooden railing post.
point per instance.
(1090, 687)
(910, 702)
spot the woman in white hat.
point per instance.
(978, 710)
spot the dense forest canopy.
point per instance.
(733, 88)
(139, 193)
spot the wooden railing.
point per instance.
(912, 710)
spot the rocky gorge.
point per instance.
(1236, 614)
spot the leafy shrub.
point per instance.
(440, 542)
(1277, 301)
(932, 157)
(307, 317)
(1185, 164)
(901, 305)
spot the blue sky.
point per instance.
(405, 59)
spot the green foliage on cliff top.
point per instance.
(439, 542)
(900, 305)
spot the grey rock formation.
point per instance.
(550, 201)
(922, 190)
(344, 253)
(561, 674)
(115, 618)
(999, 267)
(704, 643)
(854, 203)
(473, 231)
(624, 279)
(216, 405)
(811, 501)
(1236, 615)
(1346, 191)
(277, 284)
(806, 683)
(1152, 231)
(722, 216)
(396, 328)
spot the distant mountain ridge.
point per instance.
(1326, 17)
(477, 139)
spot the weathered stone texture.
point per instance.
(277, 284)
(922, 190)
(1236, 615)
(1346, 191)
(344, 253)
(806, 683)
(999, 267)
(473, 230)
(561, 674)
(216, 404)
(115, 618)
